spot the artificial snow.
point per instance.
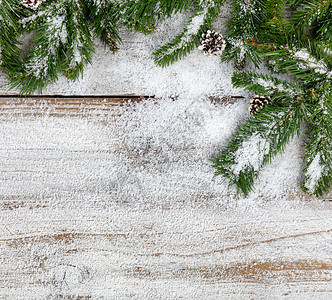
(33, 4)
(132, 70)
(196, 23)
(173, 140)
(314, 173)
(268, 84)
(247, 6)
(251, 154)
(32, 18)
(57, 27)
(136, 184)
(311, 62)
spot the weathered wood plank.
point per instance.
(66, 231)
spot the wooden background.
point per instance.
(72, 227)
(64, 234)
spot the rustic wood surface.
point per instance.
(64, 236)
(71, 227)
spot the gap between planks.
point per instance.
(78, 105)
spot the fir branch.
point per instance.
(307, 99)
(247, 17)
(9, 14)
(190, 37)
(63, 45)
(104, 22)
(142, 15)
(41, 65)
(256, 143)
(78, 46)
(293, 3)
(275, 26)
(309, 12)
(267, 85)
(138, 15)
(324, 27)
(309, 64)
(169, 8)
(9, 31)
(318, 170)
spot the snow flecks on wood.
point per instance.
(119, 202)
(102, 201)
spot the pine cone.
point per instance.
(257, 102)
(32, 4)
(212, 43)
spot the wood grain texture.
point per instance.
(67, 231)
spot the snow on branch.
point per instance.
(311, 62)
(189, 37)
(313, 174)
(250, 154)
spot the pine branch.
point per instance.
(139, 15)
(9, 14)
(307, 99)
(63, 45)
(247, 17)
(190, 37)
(256, 143)
(275, 26)
(9, 31)
(309, 12)
(268, 85)
(79, 46)
(308, 64)
(169, 8)
(318, 170)
(293, 3)
(324, 28)
(142, 15)
(104, 22)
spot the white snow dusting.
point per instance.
(155, 126)
(32, 18)
(248, 6)
(268, 84)
(196, 23)
(314, 173)
(58, 28)
(33, 4)
(129, 190)
(311, 62)
(251, 153)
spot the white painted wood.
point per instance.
(73, 226)
(68, 231)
